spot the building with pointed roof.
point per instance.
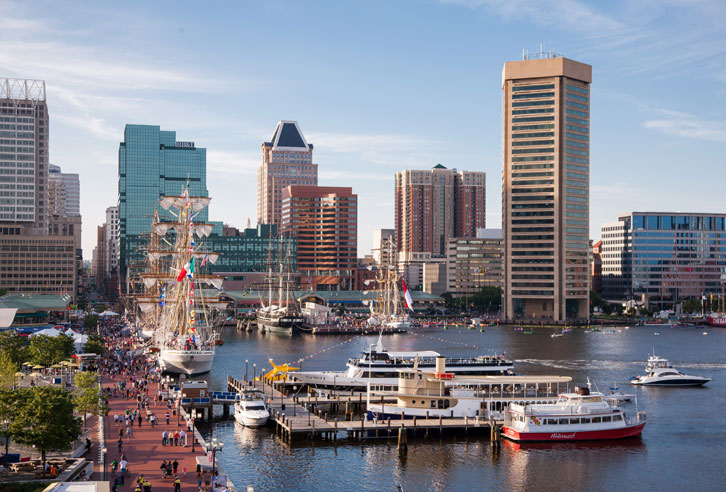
(287, 159)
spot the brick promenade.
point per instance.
(144, 451)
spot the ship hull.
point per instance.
(189, 362)
(591, 435)
(719, 321)
(286, 325)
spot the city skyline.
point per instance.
(424, 90)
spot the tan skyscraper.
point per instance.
(545, 195)
(286, 160)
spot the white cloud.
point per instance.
(687, 126)
(232, 162)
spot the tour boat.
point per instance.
(716, 319)
(660, 372)
(434, 394)
(251, 410)
(380, 367)
(577, 416)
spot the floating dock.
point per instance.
(310, 418)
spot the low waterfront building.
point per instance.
(33, 311)
(664, 257)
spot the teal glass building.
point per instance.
(152, 163)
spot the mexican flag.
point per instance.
(186, 271)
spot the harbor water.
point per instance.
(681, 448)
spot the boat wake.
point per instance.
(610, 364)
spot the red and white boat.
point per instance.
(717, 319)
(577, 416)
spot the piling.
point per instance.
(402, 439)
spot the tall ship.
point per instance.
(181, 313)
(388, 311)
(280, 313)
(718, 318)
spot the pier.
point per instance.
(297, 418)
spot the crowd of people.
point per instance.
(131, 378)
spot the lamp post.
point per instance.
(215, 446)
(7, 441)
(105, 451)
(246, 362)
(254, 373)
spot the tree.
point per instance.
(488, 299)
(691, 306)
(15, 346)
(8, 368)
(90, 321)
(3, 292)
(88, 397)
(44, 419)
(94, 345)
(46, 350)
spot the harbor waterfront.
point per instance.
(682, 431)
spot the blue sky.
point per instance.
(377, 87)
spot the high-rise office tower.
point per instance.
(286, 160)
(545, 195)
(152, 163)
(24, 156)
(324, 221)
(39, 251)
(435, 205)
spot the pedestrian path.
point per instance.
(144, 450)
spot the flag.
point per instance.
(162, 296)
(204, 260)
(190, 273)
(187, 270)
(407, 296)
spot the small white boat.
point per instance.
(251, 410)
(575, 416)
(660, 372)
(618, 395)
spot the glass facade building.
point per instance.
(663, 257)
(152, 163)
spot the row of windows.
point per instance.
(532, 151)
(533, 158)
(577, 88)
(576, 214)
(533, 103)
(577, 105)
(575, 167)
(533, 135)
(533, 142)
(574, 112)
(577, 128)
(577, 121)
(572, 143)
(577, 152)
(519, 167)
(576, 175)
(532, 87)
(533, 95)
(533, 175)
(575, 159)
(531, 119)
(577, 199)
(532, 127)
(577, 98)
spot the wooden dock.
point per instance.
(306, 418)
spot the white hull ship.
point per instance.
(439, 393)
(251, 410)
(380, 367)
(660, 372)
(181, 314)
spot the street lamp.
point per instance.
(214, 447)
(254, 373)
(104, 450)
(245, 378)
(7, 441)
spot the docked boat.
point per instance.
(577, 416)
(438, 393)
(388, 311)
(281, 314)
(716, 319)
(660, 372)
(380, 367)
(251, 410)
(618, 395)
(181, 313)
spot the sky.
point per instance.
(377, 87)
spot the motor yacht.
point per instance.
(251, 410)
(660, 372)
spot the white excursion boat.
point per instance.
(434, 394)
(251, 410)
(380, 367)
(660, 372)
(577, 416)
(618, 395)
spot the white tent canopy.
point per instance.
(108, 312)
(79, 339)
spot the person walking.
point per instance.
(176, 438)
(139, 418)
(164, 437)
(163, 468)
(177, 484)
(183, 438)
(167, 417)
(174, 467)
